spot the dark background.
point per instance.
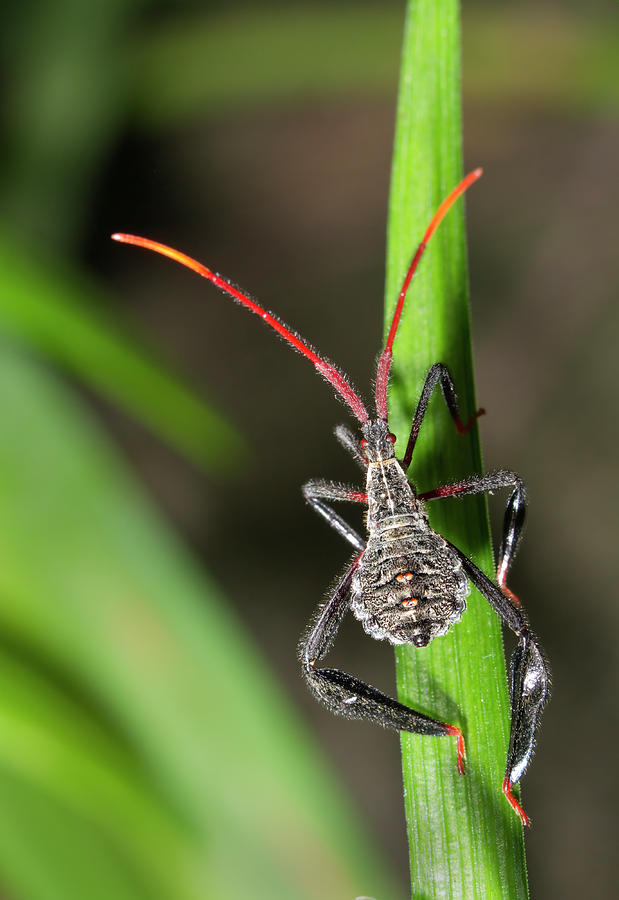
(284, 189)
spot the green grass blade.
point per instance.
(62, 315)
(107, 604)
(465, 842)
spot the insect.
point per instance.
(407, 584)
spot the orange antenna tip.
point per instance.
(336, 378)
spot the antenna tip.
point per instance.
(477, 172)
(117, 236)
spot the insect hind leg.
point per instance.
(349, 696)
(529, 681)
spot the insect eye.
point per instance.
(391, 438)
(404, 576)
(363, 444)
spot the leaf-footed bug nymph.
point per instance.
(407, 584)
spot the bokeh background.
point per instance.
(156, 739)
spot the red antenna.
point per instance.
(324, 367)
(384, 363)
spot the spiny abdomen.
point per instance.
(410, 586)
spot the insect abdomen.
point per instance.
(410, 586)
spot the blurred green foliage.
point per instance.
(63, 314)
(145, 749)
(135, 713)
(561, 62)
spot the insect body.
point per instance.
(407, 584)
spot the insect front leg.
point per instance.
(513, 521)
(438, 372)
(529, 682)
(347, 695)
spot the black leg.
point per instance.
(349, 696)
(351, 443)
(317, 491)
(513, 520)
(436, 373)
(529, 680)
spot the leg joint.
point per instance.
(309, 665)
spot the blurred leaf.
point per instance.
(65, 67)
(54, 312)
(48, 853)
(100, 593)
(67, 772)
(465, 841)
(218, 62)
(545, 57)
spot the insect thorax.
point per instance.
(410, 586)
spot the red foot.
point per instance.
(466, 426)
(507, 790)
(452, 729)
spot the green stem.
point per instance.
(464, 839)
